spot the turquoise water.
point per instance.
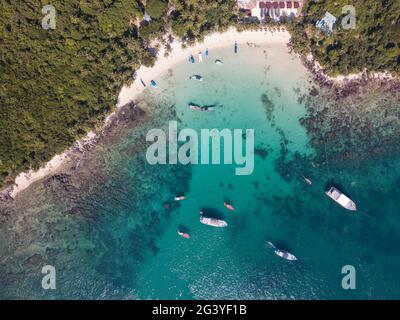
(110, 228)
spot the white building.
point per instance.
(326, 23)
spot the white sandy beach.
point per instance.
(178, 54)
(128, 94)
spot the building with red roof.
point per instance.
(270, 9)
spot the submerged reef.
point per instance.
(73, 219)
(347, 124)
(354, 129)
(268, 106)
(351, 122)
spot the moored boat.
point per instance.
(341, 199)
(196, 77)
(153, 84)
(308, 181)
(184, 235)
(282, 253)
(229, 206)
(212, 221)
(200, 108)
(218, 62)
(194, 107)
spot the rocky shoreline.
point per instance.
(71, 159)
(346, 85)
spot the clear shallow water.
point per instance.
(110, 229)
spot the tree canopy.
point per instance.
(373, 44)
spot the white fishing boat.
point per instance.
(212, 221)
(341, 199)
(283, 254)
(219, 62)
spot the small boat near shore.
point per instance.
(341, 199)
(143, 83)
(283, 254)
(179, 198)
(153, 84)
(196, 77)
(218, 62)
(212, 221)
(199, 108)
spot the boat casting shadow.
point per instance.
(183, 228)
(206, 105)
(212, 213)
(338, 186)
(281, 244)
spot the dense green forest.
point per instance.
(56, 84)
(374, 43)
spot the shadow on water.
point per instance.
(279, 244)
(341, 187)
(212, 213)
(183, 228)
(227, 200)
